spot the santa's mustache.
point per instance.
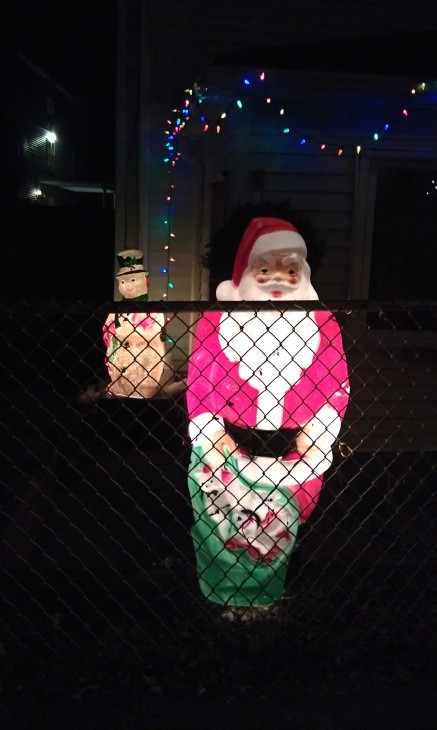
(272, 284)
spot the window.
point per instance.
(404, 246)
(403, 263)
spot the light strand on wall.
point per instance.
(165, 269)
(249, 81)
(433, 186)
(193, 108)
(174, 126)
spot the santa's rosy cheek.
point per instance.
(261, 279)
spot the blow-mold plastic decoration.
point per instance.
(134, 346)
(267, 392)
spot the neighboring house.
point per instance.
(48, 124)
(48, 211)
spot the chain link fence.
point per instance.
(96, 515)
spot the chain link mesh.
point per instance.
(96, 516)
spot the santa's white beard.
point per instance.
(250, 290)
(272, 349)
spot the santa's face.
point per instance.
(277, 276)
(132, 285)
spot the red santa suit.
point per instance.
(277, 383)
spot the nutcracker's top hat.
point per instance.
(130, 261)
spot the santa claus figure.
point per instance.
(134, 346)
(267, 392)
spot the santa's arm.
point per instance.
(206, 427)
(315, 443)
(329, 371)
(329, 374)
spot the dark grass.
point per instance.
(188, 663)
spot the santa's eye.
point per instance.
(292, 271)
(264, 270)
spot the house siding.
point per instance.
(323, 186)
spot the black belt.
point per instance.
(257, 442)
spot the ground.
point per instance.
(242, 669)
(105, 626)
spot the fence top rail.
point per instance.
(176, 307)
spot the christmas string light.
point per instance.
(168, 222)
(191, 108)
(433, 188)
(171, 159)
(248, 80)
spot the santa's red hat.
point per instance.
(262, 236)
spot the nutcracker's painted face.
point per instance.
(275, 276)
(132, 285)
